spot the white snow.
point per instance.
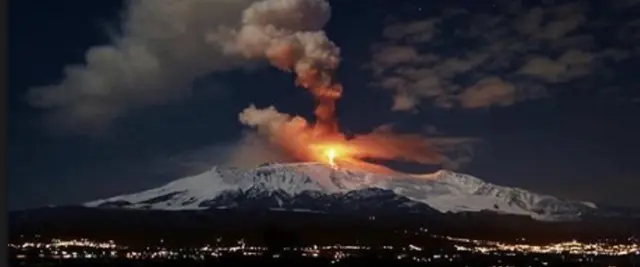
(444, 191)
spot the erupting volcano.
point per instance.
(288, 33)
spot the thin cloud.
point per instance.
(499, 60)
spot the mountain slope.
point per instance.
(320, 188)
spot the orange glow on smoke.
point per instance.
(322, 141)
(313, 142)
(339, 152)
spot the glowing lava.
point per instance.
(332, 153)
(328, 153)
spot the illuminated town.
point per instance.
(459, 251)
(571, 247)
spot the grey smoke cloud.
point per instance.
(162, 49)
(286, 32)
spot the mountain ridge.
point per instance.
(315, 187)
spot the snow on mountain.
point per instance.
(315, 186)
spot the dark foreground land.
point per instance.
(201, 226)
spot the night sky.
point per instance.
(551, 90)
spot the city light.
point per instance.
(569, 247)
(89, 249)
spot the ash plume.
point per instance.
(289, 132)
(289, 34)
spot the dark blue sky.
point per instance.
(566, 126)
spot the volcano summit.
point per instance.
(315, 187)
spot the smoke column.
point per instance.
(289, 34)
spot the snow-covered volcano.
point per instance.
(318, 187)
